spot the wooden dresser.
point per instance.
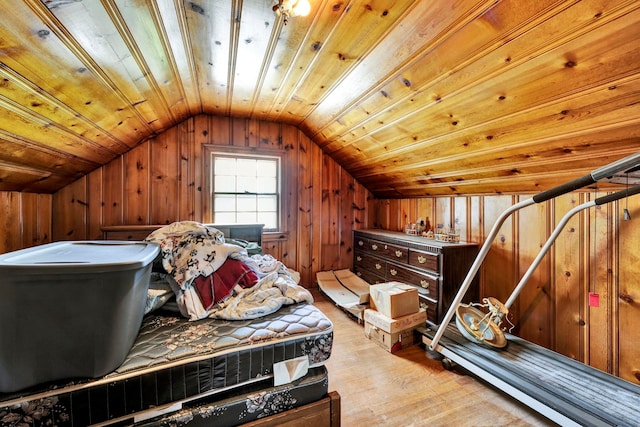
(436, 268)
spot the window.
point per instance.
(245, 189)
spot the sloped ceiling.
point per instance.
(413, 98)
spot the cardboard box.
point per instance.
(394, 299)
(392, 326)
(355, 284)
(331, 285)
(392, 342)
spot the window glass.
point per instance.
(267, 203)
(225, 203)
(247, 184)
(224, 183)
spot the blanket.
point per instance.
(192, 254)
(190, 249)
(267, 296)
(217, 287)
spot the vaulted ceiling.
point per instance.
(412, 98)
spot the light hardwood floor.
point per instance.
(409, 388)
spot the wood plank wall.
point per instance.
(161, 181)
(597, 251)
(25, 220)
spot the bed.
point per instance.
(263, 370)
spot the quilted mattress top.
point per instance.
(170, 340)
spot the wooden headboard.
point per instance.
(249, 232)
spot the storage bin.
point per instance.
(70, 309)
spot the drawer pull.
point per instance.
(393, 271)
(399, 254)
(422, 259)
(359, 258)
(378, 266)
(358, 274)
(424, 284)
(360, 243)
(374, 247)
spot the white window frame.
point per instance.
(211, 151)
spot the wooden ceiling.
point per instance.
(412, 98)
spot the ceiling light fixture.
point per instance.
(290, 8)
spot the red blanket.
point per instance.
(219, 285)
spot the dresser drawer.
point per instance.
(427, 284)
(383, 249)
(395, 252)
(372, 246)
(369, 277)
(425, 260)
(431, 307)
(361, 243)
(366, 261)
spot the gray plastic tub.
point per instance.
(70, 309)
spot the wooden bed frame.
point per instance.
(324, 412)
(248, 232)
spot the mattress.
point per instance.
(247, 403)
(175, 360)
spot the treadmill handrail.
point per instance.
(608, 170)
